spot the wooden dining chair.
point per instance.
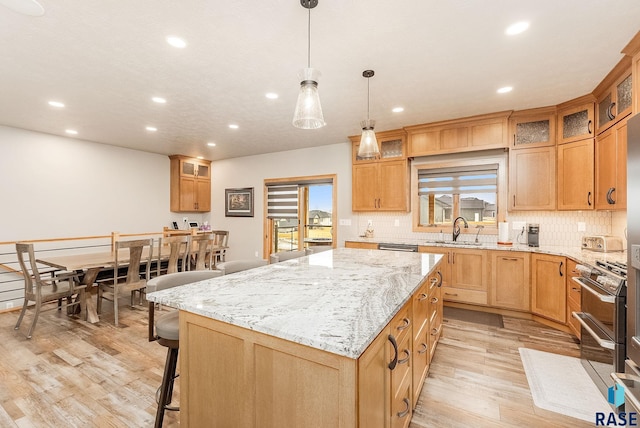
(221, 240)
(61, 285)
(179, 250)
(127, 273)
(202, 251)
(165, 328)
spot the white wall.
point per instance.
(246, 233)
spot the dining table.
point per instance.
(90, 264)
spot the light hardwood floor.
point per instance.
(95, 375)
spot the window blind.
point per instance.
(458, 180)
(282, 201)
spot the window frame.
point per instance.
(453, 161)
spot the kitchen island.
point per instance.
(306, 342)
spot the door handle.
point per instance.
(560, 269)
(589, 198)
(394, 362)
(610, 200)
(589, 127)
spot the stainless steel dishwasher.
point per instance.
(398, 247)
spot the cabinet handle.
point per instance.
(560, 269)
(576, 289)
(514, 140)
(589, 127)
(589, 198)
(434, 300)
(610, 200)
(423, 348)
(610, 111)
(394, 362)
(405, 412)
(514, 200)
(440, 280)
(448, 257)
(510, 259)
(407, 323)
(453, 258)
(435, 331)
(405, 360)
(451, 294)
(422, 297)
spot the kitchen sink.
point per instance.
(476, 244)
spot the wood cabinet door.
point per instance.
(510, 280)
(188, 193)
(374, 400)
(575, 176)
(392, 186)
(469, 269)
(532, 179)
(203, 195)
(611, 168)
(576, 123)
(548, 292)
(364, 192)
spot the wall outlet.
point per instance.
(582, 226)
(256, 253)
(185, 220)
(345, 222)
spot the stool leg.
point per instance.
(166, 389)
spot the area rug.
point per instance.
(561, 384)
(476, 317)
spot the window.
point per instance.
(472, 189)
(300, 213)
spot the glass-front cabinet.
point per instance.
(614, 96)
(392, 146)
(575, 120)
(533, 128)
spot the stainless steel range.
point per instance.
(603, 320)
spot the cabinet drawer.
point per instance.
(435, 331)
(464, 296)
(421, 360)
(573, 293)
(401, 409)
(574, 324)
(435, 303)
(402, 370)
(421, 308)
(401, 324)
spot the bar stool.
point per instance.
(234, 266)
(165, 329)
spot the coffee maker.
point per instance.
(533, 234)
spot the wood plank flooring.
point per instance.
(76, 374)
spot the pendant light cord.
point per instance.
(368, 98)
(309, 40)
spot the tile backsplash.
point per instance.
(557, 228)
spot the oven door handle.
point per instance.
(602, 297)
(607, 344)
(619, 378)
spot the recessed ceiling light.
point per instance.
(398, 109)
(234, 126)
(176, 42)
(56, 104)
(504, 90)
(151, 128)
(24, 7)
(200, 157)
(159, 100)
(211, 144)
(271, 95)
(517, 28)
(71, 131)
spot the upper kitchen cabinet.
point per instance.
(611, 168)
(614, 96)
(391, 144)
(632, 50)
(532, 179)
(381, 184)
(575, 176)
(459, 135)
(190, 184)
(533, 128)
(576, 120)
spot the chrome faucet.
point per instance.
(456, 228)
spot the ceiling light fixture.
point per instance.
(71, 131)
(504, 90)
(159, 100)
(176, 42)
(271, 95)
(308, 113)
(151, 128)
(516, 28)
(56, 104)
(234, 126)
(368, 142)
(211, 144)
(398, 109)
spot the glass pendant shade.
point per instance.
(368, 142)
(308, 113)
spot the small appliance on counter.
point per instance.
(602, 243)
(533, 233)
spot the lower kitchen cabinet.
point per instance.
(548, 287)
(361, 245)
(468, 273)
(510, 280)
(573, 298)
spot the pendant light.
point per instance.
(368, 142)
(308, 113)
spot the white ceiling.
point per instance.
(105, 59)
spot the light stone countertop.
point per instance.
(575, 253)
(337, 300)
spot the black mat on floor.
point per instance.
(493, 320)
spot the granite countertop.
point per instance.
(337, 300)
(575, 253)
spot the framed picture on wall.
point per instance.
(238, 202)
